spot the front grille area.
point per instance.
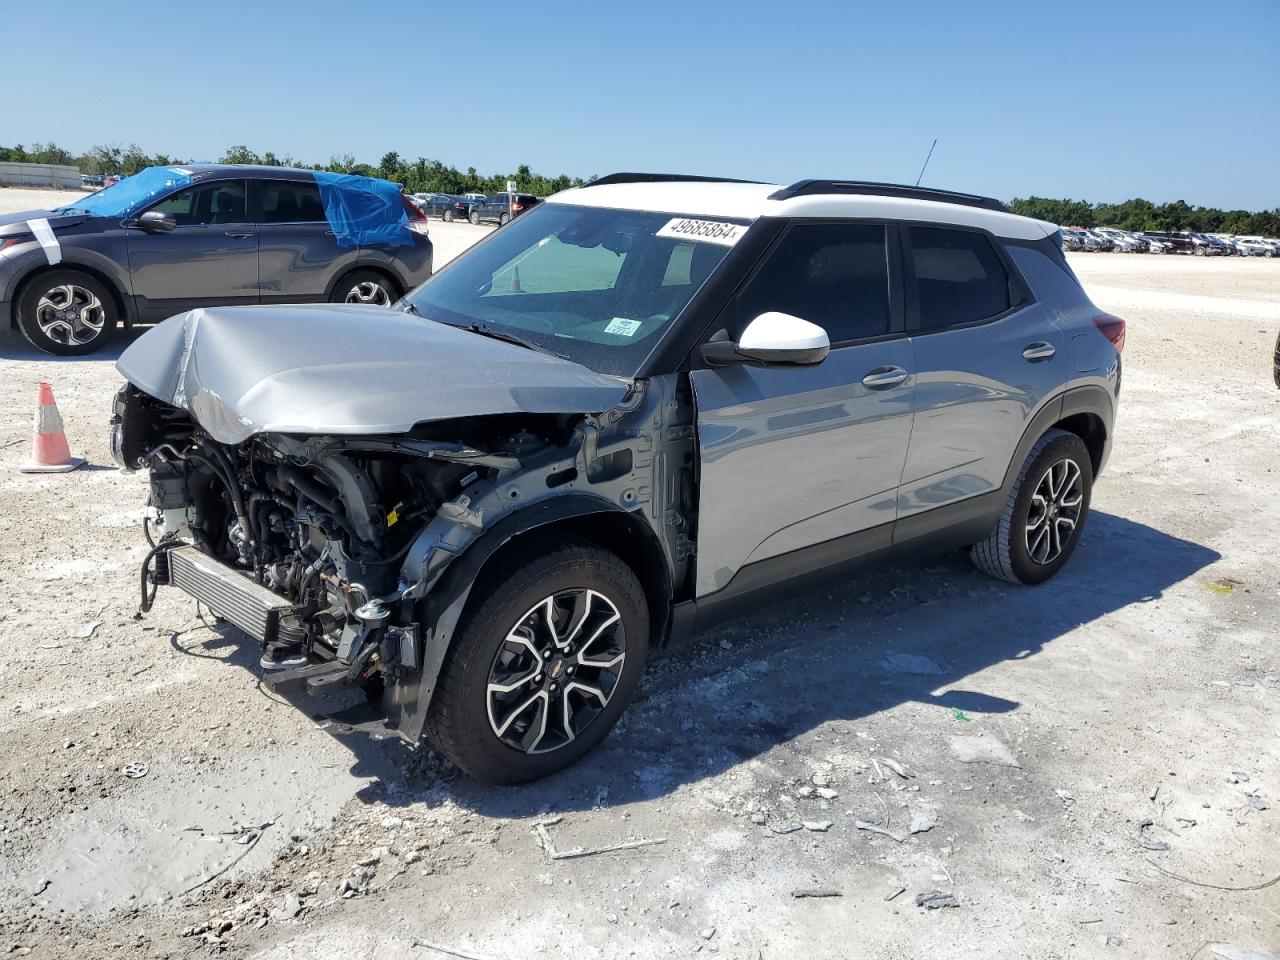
(228, 593)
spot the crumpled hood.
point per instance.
(56, 220)
(347, 369)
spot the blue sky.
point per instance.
(1098, 101)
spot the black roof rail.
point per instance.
(660, 178)
(804, 188)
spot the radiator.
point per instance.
(227, 592)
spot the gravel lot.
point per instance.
(1141, 686)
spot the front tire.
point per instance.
(67, 313)
(504, 219)
(1041, 522)
(447, 216)
(547, 656)
(474, 218)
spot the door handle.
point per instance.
(238, 236)
(1035, 352)
(882, 378)
(330, 233)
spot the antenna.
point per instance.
(926, 161)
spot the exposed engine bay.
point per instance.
(338, 541)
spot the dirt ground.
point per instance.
(156, 801)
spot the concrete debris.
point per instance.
(897, 768)
(549, 846)
(982, 749)
(1238, 776)
(805, 791)
(815, 893)
(896, 835)
(818, 826)
(826, 793)
(788, 826)
(821, 779)
(375, 855)
(707, 933)
(936, 900)
(894, 894)
(758, 819)
(1229, 951)
(922, 821)
(1256, 801)
(1064, 796)
(39, 887)
(88, 629)
(1142, 840)
(289, 908)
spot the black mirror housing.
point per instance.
(153, 221)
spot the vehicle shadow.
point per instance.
(897, 635)
(14, 346)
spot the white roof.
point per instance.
(749, 201)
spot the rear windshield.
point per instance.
(599, 287)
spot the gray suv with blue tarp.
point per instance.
(171, 239)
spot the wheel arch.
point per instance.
(1087, 411)
(582, 516)
(397, 284)
(123, 302)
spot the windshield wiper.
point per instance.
(505, 337)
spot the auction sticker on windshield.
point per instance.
(703, 231)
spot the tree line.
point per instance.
(1139, 214)
(432, 176)
(416, 176)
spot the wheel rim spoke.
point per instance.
(547, 684)
(1054, 513)
(70, 315)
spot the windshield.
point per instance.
(131, 193)
(599, 287)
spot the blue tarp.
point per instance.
(363, 210)
(123, 198)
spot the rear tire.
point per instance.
(67, 313)
(504, 219)
(364, 286)
(474, 218)
(447, 216)
(1046, 511)
(487, 733)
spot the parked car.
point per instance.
(172, 238)
(1122, 240)
(475, 197)
(1105, 243)
(640, 408)
(501, 207)
(449, 207)
(1184, 241)
(1077, 238)
(1258, 246)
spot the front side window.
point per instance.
(959, 278)
(833, 274)
(210, 203)
(289, 201)
(597, 286)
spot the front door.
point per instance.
(210, 258)
(797, 457)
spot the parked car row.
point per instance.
(1112, 239)
(496, 208)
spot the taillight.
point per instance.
(1112, 328)
(517, 207)
(417, 218)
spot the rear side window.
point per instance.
(959, 278)
(287, 201)
(833, 274)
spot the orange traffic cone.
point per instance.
(49, 452)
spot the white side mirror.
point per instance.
(771, 338)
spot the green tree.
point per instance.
(240, 154)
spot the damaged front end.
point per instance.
(333, 551)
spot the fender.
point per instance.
(408, 700)
(1090, 398)
(22, 267)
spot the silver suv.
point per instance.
(636, 410)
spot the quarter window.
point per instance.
(833, 274)
(958, 276)
(285, 201)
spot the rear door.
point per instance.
(794, 457)
(986, 355)
(298, 254)
(210, 258)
